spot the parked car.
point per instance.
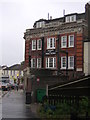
(5, 82)
(5, 86)
(13, 86)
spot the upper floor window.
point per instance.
(63, 62)
(33, 63)
(33, 44)
(39, 44)
(63, 41)
(40, 24)
(71, 41)
(71, 18)
(38, 62)
(67, 19)
(71, 62)
(50, 43)
(51, 62)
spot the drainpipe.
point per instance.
(58, 56)
(43, 52)
(67, 64)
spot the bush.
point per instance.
(84, 105)
(66, 110)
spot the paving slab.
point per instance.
(13, 106)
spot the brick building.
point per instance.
(58, 44)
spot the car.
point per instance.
(5, 86)
(4, 82)
(13, 86)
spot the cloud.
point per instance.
(18, 15)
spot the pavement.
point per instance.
(0, 104)
(13, 105)
(2, 93)
(35, 107)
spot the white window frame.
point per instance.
(62, 62)
(39, 44)
(37, 24)
(49, 41)
(63, 41)
(53, 62)
(71, 18)
(67, 19)
(69, 40)
(33, 44)
(38, 62)
(71, 62)
(33, 62)
(40, 24)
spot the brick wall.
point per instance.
(79, 52)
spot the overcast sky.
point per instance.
(18, 15)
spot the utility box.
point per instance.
(40, 94)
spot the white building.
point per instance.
(14, 71)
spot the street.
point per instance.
(13, 106)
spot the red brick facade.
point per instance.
(76, 51)
(76, 28)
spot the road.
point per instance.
(13, 106)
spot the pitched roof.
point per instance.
(15, 67)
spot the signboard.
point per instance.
(51, 52)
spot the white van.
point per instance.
(5, 82)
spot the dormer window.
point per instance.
(40, 24)
(70, 18)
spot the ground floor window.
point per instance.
(51, 62)
(33, 63)
(63, 62)
(38, 62)
(70, 62)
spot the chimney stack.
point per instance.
(48, 16)
(63, 12)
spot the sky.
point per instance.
(18, 15)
